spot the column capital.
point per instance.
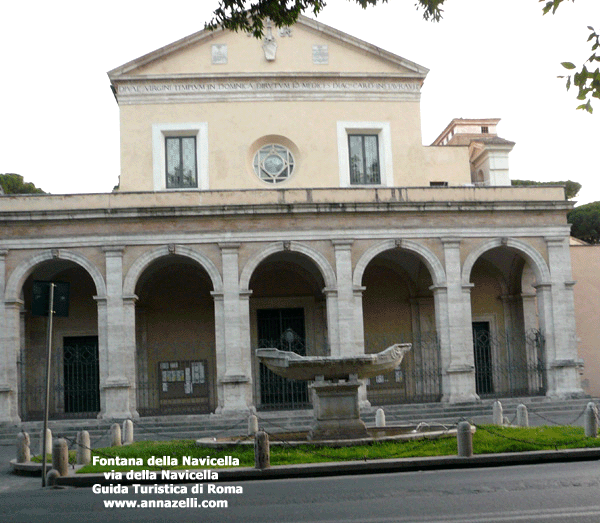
(344, 244)
(217, 296)
(358, 290)
(438, 288)
(113, 250)
(3, 253)
(451, 241)
(14, 304)
(229, 246)
(555, 241)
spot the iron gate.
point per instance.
(417, 380)
(74, 386)
(281, 329)
(508, 364)
(81, 376)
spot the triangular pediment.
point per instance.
(309, 47)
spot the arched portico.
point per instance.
(287, 310)
(396, 278)
(520, 323)
(77, 338)
(172, 313)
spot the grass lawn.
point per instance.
(488, 439)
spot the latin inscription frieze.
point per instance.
(247, 86)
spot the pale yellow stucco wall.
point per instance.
(235, 129)
(585, 261)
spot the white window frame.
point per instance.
(159, 167)
(384, 135)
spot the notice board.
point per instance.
(183, 379)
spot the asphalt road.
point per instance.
(564, 492)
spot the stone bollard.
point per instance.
(380, 418)
(262, 454)
(522, 416)
(127, 432)
(84, 453)
(464, 439)
(48, 442)
(60, 457)
(590, 420)
(497, 418)
(51, 478)
(115, 435)
(23, 451)
(252, 425)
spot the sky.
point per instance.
(59, 121)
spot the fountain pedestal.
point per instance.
(336, 410)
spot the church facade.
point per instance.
(277, 193)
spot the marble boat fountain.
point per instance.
(335, 383)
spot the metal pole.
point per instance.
(48, 356)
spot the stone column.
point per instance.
(359, 325)
(559, 322)
(130, 348)
(333, 337)
(345, 300)
(349, 319)
(10, 342)
(457, 357)
(233, 356)
(117, 357)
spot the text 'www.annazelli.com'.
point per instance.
(166, 503)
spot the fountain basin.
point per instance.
(307, 368)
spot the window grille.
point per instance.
(364, 159)
(181, 162)
(273, 163)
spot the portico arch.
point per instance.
(315, 256)
(144, 261)
(174, 322)
(507, 347)
(533, 256)
(430, 260)
(24, 269)
(76, 338)
(396, 278)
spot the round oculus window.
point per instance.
(273, 163)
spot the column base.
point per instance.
(236, 395)
(8, 409)
(461, 385)
(115, 400)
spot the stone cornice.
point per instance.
(274, 209)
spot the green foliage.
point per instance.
(571, 188)
(585, 222)
(14, 184)
(587, 82)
